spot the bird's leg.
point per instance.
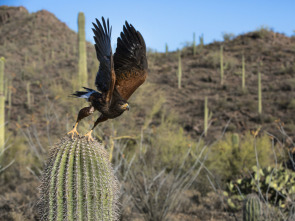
(74, 130)
(84, 112)
(99, 120)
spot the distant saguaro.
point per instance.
(221, 65)
(2, 106)
(259, 94)
(179, 70)
(82, 74)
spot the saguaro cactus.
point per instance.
(252, 208)
(221, 65)
(201, 38)
(166, 49)
(82, 74)
(259, 94)
(179, 70)
(78, 183)
(243, 72)
(206, 113)
(29, 95)
(2, 106)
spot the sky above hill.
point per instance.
(170, 21)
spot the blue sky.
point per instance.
(173, 22)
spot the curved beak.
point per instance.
(126, 107)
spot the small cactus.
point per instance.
(235, 141)
(78, 183)
(252, 208)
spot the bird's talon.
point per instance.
(73, 132)
(88, 136)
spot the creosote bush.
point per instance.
(227, 160)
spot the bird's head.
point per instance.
(123, 105)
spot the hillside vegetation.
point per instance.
(163, 134)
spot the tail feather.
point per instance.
(84, 94)
(88, 89)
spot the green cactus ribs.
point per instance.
(252, 208)
(78, 183)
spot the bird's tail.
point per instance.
(84, 94)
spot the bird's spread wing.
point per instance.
(130, 61)
(105, 78)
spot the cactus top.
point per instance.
(78, 183)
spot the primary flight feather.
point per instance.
(118, 76)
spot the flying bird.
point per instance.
(118, 76)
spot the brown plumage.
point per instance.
(118, 76)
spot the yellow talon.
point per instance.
(74, 131)
(89, 137)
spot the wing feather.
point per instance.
(130, 61)
(105, 77)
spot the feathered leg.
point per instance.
(99, 120)
(84, 112)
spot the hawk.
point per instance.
(118, 76)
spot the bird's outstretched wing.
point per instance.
(105, 78)
(130, 61)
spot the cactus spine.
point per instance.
(252, 208)
(78, 183)
(2, 105)
(82, 74)
(259, 94)
(179, 70)
(194, 44)
(243, 72)
(221, 65)
(206, 113)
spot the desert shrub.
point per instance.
(212, 59)
(20, 158)
(228, 36)
(262, 31)
(154, 190)
(230, 62)
(170, 142)
(227, 161)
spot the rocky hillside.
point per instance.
(42, 50)
(270, 53)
